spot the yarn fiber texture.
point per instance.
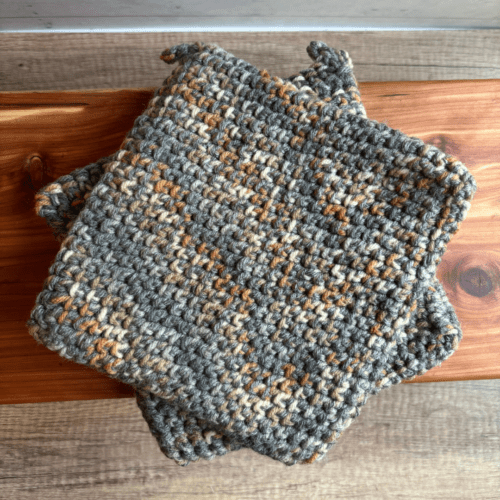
(252, 256)
(180, 436)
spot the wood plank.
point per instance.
(133, 15)
(446, 434)
(66, 130)
(418, 441)
(259, 8)
(68, 61)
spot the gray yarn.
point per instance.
(181, 437)
(197, 368)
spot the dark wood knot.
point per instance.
(36, 170)
(475, 281)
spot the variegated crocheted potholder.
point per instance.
(246, 236)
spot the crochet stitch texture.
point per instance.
(180, 436)
(255, 285)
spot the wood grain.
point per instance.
(55, 132)
(70, 61)
(418, 441)
(413, 441)
(128, 15)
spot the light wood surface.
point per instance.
(70, 61)
(412, 441)
(239, 15)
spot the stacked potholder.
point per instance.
(256, 260)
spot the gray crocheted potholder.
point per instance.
(258, 291)
(182, 437)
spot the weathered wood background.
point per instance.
(242, 15)
(435, 440)
(67, 61)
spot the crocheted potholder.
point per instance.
(258, 291)
(180, 436)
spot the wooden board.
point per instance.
(132, 15)
(410, 442)
(71, 61)
(52, 133)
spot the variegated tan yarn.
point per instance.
(255, 256)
